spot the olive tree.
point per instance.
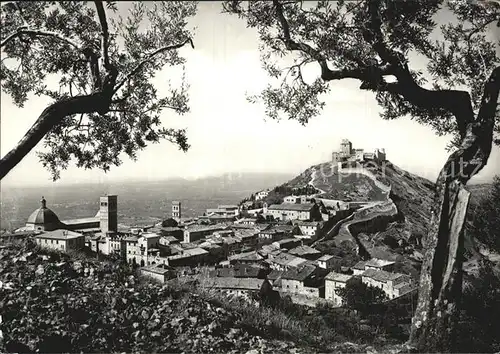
(375, 42)
(97, 71)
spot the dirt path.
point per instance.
(314, 176)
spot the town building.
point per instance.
(329, 262)
(190, 257)
(61, 240)
(240, 287)
(292, 199)
(311, 230)
(215, 252)
(333, 204)
(333, 282)
(224, 211)
(246, 221)
(175, 232)
(288, 229)
(374, 263)
(198, 232)
(393, 284)
(292, 211)
(142, 250)
(262, 194)
(248, 237)
(232, 245)
(266, 250)
(251, 258)
(234, 209)
(304, 280)
(239, 271)
(285, 261)
(271, 234)
(306, 252)
(287, 243)
(159, 272)
(217, 219)
(111, 244)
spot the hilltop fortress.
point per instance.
(348, 154)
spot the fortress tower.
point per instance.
(176, 211)
(108, 214)
(345, 148)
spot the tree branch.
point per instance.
(362, 72)
(489, 102)
(104, 33)
(147, 59)
(87, 52)
(480, 28)
(16, 4)
(39, 33)
(454, 101)
(49, 118)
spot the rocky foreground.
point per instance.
(50, 302)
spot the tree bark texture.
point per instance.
(434, 322)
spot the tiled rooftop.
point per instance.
(81, 221)
(59, 235)
(159, 269)
(287, 260)
(292, 206)
(338, 277)
(300, 274)
(304, 250)
(247, 256)
(381, 275)
(327, 257)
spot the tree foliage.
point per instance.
(358, 296)
(70, 49)
(376, 42)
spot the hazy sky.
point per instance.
(228, 134)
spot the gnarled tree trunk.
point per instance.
(434, 322)
(50, 117)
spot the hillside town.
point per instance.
(231, 248)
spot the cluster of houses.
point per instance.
(241, 250)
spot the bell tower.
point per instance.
(108, 212)
(176, 211)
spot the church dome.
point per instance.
(43, 218)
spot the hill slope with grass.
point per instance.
(52, 302)
(376, 182)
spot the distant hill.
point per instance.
(399, 236)
(137, 200)
(412, 194)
